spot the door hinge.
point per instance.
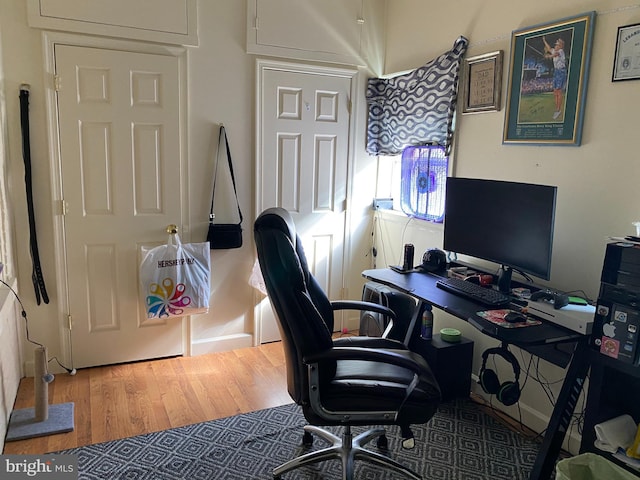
(255, 22)
(63, 207)
(70, 322)
(56, 82)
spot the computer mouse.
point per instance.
(515, 317)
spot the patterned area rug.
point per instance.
(460, 443)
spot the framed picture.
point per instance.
(482, 83)
(626, 63)
(548, 82)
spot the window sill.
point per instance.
(416, 222)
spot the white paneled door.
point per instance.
(119, 115)
(303, 151)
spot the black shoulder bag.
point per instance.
(224, 235)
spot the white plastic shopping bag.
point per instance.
(175, 279)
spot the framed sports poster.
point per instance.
(548, 82)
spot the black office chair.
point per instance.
(348, 381)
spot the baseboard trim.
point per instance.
(533, 419)
(538, 421)
(221, 344)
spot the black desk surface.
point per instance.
(539, 340)
(423, 287)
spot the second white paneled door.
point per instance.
(303, 156)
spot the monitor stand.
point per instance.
(504, 279)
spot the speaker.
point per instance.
(507, 393)
(373, 324)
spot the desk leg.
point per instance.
(562, 412)
(415, 325)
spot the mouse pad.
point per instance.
(497, 317)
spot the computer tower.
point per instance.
(450, 362)
(616, 325)
(373, 324)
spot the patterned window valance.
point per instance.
(414, 108)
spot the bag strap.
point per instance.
(223, 134)
(36, 276)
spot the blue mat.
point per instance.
(23, 424)
(460, 443)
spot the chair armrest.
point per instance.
(369, 342)
(362, 305)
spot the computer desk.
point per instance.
(534, 339)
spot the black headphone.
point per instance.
(508, 392)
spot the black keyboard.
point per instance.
(472, 291)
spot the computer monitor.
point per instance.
(507, 223)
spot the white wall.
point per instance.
(10, 357)
(10, 320)
(221, 85)
(597, 182)
(221, 88)
(6, 219)
(22, 62)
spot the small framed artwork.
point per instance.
(482, 83)
(626, 63)
(547, 84)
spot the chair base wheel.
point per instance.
(307, 439)
(347, 449)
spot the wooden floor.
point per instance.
(131, 399)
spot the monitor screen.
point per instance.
(508, 223)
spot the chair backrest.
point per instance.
(303, 311)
